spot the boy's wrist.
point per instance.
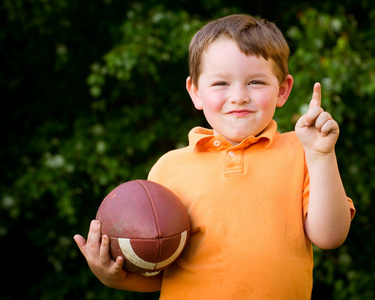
(315, 156)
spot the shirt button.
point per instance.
(231, 153)
(216, 143)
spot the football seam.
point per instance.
(126, 247)
(155, 217)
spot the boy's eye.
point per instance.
(220, 83)
(256, 82)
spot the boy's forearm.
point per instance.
(328, 219)
(139, 283)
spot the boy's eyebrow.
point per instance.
(259, 74)
(219, 74)
(225, 74)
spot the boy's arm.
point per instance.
(328, 220)
(108, 271)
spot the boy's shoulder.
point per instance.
(287, 144)
(168, 163)
(289, 137)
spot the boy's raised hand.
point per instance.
(317, 130)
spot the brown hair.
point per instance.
(253, 37)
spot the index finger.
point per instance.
(317, 95)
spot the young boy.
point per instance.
(257, 199)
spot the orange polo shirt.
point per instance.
(247, 205)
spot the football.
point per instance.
(147, 225)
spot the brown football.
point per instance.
(147, 225)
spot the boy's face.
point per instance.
(237, 93)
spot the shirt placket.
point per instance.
(233, 161)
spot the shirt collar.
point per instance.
(202, 139)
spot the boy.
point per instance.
(256, 199)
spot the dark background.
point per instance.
(93, 92)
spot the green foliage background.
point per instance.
(93, 92)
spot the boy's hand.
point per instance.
(108, 271)
(317, 130)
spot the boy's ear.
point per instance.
(284, 90)
(194, 93)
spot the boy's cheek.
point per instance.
(212, 102)
(266, 103)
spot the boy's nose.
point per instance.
(239, 95)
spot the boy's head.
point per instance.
(239, 75)
(252, 36)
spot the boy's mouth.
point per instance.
(240, 112)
